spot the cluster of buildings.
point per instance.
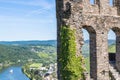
(47, 73)
(1, 64)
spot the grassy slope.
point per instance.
(112, 48)
(87, 64)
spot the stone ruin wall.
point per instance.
(95, 9)
(97, 19)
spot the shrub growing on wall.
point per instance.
(71, 65)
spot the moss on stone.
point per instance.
(71, 65)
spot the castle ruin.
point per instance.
(98, 19)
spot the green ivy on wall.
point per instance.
(71, 65)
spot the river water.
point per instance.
(13, 73)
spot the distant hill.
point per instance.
(85, 48)
(112, 48)
(11, 52)
(32, 42)
(109, 42)
(44, 42)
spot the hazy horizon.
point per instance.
(39, 40)
(30, 20)
(28, 40)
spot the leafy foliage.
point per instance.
(31, 55)
(46, 59)
(14, 53)
(20, 54)
(71, 65)
(32, 74)
(112, 48)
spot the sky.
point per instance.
(28, 20)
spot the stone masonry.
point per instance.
(97, 19)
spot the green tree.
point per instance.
(71, 65)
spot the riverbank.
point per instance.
(32, 71)
(25, 72)
(17, 74)
(9, 64)
(36, 71)
(3, 66)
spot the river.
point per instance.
(13, 73)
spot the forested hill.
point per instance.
(23, 51)
(37, 42)
(31, 42)
(14, 53)
(27, 50)
(109, 41)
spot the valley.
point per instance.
(37, 59)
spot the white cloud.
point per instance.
(42, 6)
(38, 12)
(40, 15)
(41, 3)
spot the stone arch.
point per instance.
(90, 29)
(111, 46)
(93, 56)
(116, 30)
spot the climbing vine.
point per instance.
(71, 65)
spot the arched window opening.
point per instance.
(89, 50)
(92, 2)
(112, 47)
(116, 50)
(111, 2)
(86, 50)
